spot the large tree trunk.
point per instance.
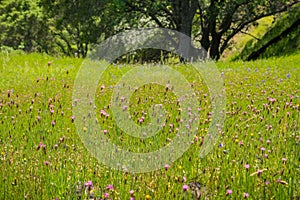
(184, 12)
(214, 51)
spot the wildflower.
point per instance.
(247, 166)
(288, 75)
(228, 192)
(110, 187)
(131, 198)
(185, 187)
(53, 123)
(266, 156)
(89, 184)
(46, 163)
(281, 182)
(49, 63)
(147, 196)
(106, 195)
(184, 179)
(167, 166)
(131, 192)
(62, 139)
(40, 145)
(278, 181)
(262, 149)
(258, 172)
(246, 195)
(105, 132)
(267, 182)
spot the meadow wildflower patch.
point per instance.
(257, 155)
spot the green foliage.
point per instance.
(288, 45)
(73, 27)
(24, 26)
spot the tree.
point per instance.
(213, 23)
(78, 24)
(24, 27)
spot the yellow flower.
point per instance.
(147, 196)
(252, 134)
(179, 167)
(236, 140)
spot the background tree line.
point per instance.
(72, 27)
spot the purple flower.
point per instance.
(110, 187)
(40, 145)
(228, 192)
(259, 172)
(89, 184)
(247, 166)
(105, 132)
(246, 195)
(288, 75)
(185, 187)
(267, 182)
(106, 195)
(262, 149)
(46, 163)
(167, 166)
(266, 155)
(131, 192)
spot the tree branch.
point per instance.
(250, 35)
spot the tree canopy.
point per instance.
(72, 27)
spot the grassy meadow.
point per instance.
(257, 155)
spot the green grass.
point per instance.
(30, 89)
